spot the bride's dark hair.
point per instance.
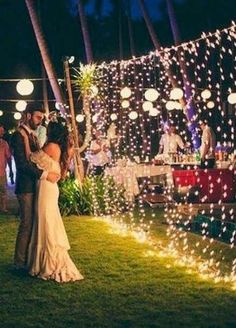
(57, 132)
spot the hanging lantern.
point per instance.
(151, 94)
(25, 87)
(170, 105)
(210, 104)
(17, 116)
(21, 105)
(232, 98)
(125, 104)
(154, 112)
(79, 118)
(176, 94)
(147, 106)
(113, 117)
(178, 105)
(133, 115)
(1, 112)
(125, 92)
(206, 94)
(58, 105)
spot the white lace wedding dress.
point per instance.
(48, 251)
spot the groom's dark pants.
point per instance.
(26, 206)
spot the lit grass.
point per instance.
(122, 287)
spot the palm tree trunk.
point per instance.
(85, 32)
(44, 52)
(45, 91)
(190, 110)
(138, 95)
(130, 28)
(121, 51)
(155, 41)
(44, 81)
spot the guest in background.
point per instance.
(208, 144)
(99, 154)
(170, 141)
(113, 139)
(41, 133)
(5, 159)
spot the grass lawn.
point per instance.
(122, 286)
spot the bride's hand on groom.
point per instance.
(53, 177)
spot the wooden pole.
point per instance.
(79, 168)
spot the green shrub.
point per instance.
(98, 195)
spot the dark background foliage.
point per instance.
(20, 56)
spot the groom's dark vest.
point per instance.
(27, 173)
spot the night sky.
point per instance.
(20, 56)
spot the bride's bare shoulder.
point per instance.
(53, 150)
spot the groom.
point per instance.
(24, 141)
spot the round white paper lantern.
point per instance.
(57, 105)
(125, 92)
(125, 104)
(154, 112)
(178, 105)
(147, 106)
(1, 112)
(21, 105)
(113, 117)
(206, 94)
(176, 94)
(79, 118)
(151, 94)
(232, 98)
(133, 115)
(25, 87)
(17, 116)
(210, 104)
(170, 105)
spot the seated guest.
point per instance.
(208, 144)
(99, 154)
(170, 141)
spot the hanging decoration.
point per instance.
(25, 87)
(125, 92)
(21, 105)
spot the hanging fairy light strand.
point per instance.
(132, 92)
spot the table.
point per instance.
(215, 184)
(128, 175)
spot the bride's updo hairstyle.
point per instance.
(57, 132)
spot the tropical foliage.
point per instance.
(98, 195)
(85, 78)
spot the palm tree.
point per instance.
(85, 32)
(191, 111)
(155, 40)
(44, 52)
(121, 50)
(130, 29)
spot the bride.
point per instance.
(48, 251)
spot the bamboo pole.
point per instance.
(79, 168)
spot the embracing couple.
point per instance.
(42, 244)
